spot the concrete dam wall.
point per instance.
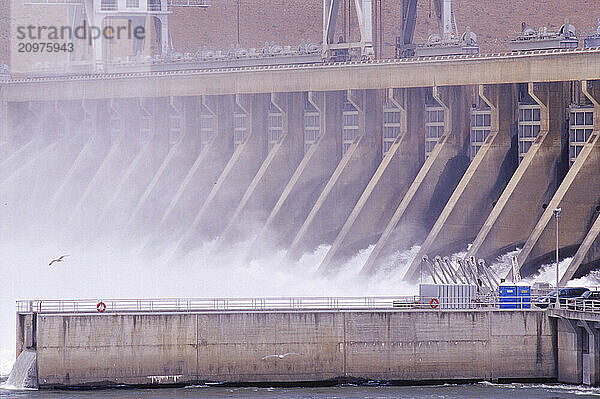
(374, 156)
(288, 346)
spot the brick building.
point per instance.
(4, 30)
(290, 21)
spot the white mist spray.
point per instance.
(101, 271)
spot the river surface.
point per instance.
(447, 391)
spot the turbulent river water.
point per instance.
(446, 391)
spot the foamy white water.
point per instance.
(7, 358)
(110, 272)
(24, 372)
(503, 262)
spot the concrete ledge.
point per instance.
(95, 349)
(481, 69)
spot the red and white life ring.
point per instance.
(434, 303)
(101, 306)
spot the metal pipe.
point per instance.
(438, 262)
(432, 272)
(465, 272)
(450, 269)
(557, 212)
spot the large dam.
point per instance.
(149, 161)
(438, 152)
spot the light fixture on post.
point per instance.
(557, 212)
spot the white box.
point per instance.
(448, 296)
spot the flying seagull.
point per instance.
(281, 356)
(62, 258)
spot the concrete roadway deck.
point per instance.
(537, 66)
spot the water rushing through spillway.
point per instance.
(24, 373)
(44, 216)
(77, 196)
(110, 272)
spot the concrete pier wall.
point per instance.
(433, 185)
(233, 182)
(483, 182)
(532, 185)
(310, 177)
(273, 175)
(168, 348)
(577, 345)
(348, 180)
(202, 176)
(388, 185)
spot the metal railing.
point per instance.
(53, 2)
(154, 5)
(576, 304)
(189, 3)
(108, 5)
(269, 304)
(405, 61)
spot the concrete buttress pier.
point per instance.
(534, 182)
(201, 177)
(388, 185)
(269, 182)
(348, 180)
(233, 182)
(588, 252)
(310, 177)
(433, 185)
(483, 182)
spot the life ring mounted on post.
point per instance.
(434, 303)
(101, 306)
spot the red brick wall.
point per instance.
(4, 31)
(290, 21)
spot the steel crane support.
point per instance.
(364, 14)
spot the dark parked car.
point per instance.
(566, 296)
(590, 300)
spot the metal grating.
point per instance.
(207, 122)
(350, 126)
(391, 125)
(529, 127)
(434, 127)
(312, 125)
(481, 122)
(239, 127)
(581, 125)
(275, 129)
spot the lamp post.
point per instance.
(557, 212)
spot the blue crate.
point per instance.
(508, 297)
(524, 294)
